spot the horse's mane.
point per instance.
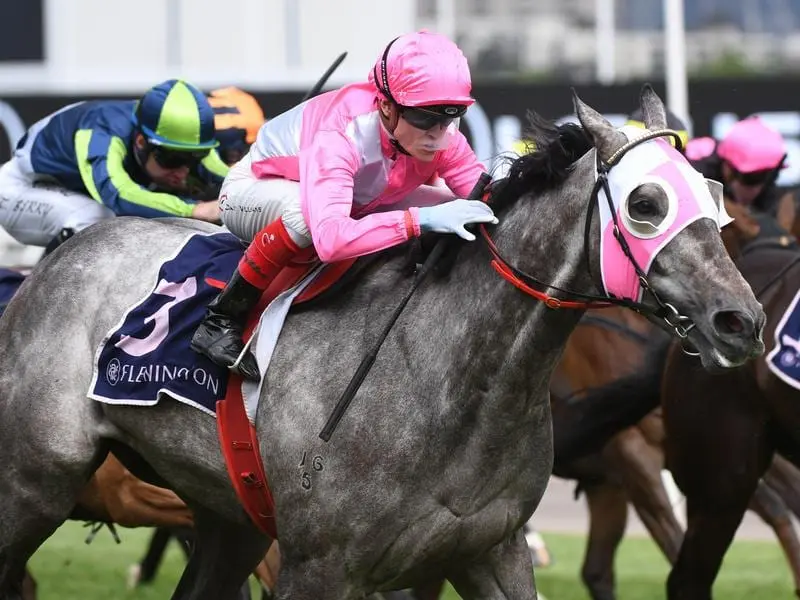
(554, 151)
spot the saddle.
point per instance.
(10, 280)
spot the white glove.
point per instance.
(451, 217)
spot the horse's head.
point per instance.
(669, 254)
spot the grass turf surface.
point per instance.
(67, 569)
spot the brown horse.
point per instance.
(607, 345)
(724, 430)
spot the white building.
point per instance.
(116, 45)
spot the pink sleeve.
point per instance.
(459, 167)
(327, 171)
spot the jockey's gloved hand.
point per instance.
(451, 217)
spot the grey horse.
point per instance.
(446, 450)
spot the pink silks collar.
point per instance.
(690, 199)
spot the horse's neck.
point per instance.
(502, 344)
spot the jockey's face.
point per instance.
(745, 187)
(422, 144)
(164, 168)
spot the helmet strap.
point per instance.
(383, 83)
(141, 153)
(390, 131)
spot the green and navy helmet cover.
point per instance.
(176, 115)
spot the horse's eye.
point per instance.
(646, 208)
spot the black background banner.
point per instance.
(21, 31)
(713, 104)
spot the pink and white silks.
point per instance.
(351, 175)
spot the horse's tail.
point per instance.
(584, 425)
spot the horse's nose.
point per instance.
(732, 325)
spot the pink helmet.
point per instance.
(700, 148)
(423, 69)
(752, 146)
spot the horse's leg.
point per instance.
(146, 570)
(717, 449)
(769, 506)
(608, 514)
(223, 557)
(708, 536)
(50, 455)
(28, 587)
(783, 477)
(314, 579)
(504, 573)
(431, 591)
(132, 502)
(268, 569)
(639, 465)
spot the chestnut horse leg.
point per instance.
(770, 507)
(114, 494)
(608, 515)
(267, 570)
(639, 464)
(783, 477)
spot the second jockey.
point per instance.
(747, 161)
(93, 160)
(345, 171)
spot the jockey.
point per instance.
(92, 160)
(344, 171)
(237, 119)
(747, 162)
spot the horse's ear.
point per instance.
(716, 189)
(606, 139)
(653, 111)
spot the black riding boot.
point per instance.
(219, 336)
(62, 237)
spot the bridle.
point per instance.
(679, 324)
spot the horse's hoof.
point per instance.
(134, 576)
(541, 558)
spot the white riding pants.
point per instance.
(33, 210)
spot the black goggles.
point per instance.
(432, 116)
(754, 178)
(168, 158)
